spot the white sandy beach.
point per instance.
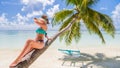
(93, 52)
(106, 57)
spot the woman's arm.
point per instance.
(48, 37)
(39, 22)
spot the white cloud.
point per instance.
(51, 11)
(23, 8)
(103, 8)
(24, 19)
(34, 13)
(116, 16)
(21, 19)
(3, 19)
(44, 2)
(31, 3)
(20, 22)
(25, 2)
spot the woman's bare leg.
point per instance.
(38, 45)
(27, 47)
(32, 44)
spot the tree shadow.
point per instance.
(105, 62)
(91, 61)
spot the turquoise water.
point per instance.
(16, 39)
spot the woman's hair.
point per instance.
(46, 18)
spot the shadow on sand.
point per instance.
(99, 60)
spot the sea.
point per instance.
(15, 39)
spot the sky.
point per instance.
(19, 14)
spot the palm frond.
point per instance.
(92, 2)
(102, 21)
(66, 22)
(72, 2)
(72, 33)
(61, 37)
(84, 4)
(79, 2)
(107, 24)
(92, 28)
(77, 31)
(61, 16)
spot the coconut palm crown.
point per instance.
(94, 21)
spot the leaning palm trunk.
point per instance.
(35, 53)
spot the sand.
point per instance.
(92, 57)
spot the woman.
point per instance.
(38, 43)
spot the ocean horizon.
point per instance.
(13, 39)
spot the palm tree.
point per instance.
(93, 20)
(70, 21)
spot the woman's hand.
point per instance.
(35, 18)
(49, 38)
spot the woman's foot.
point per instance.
(14, 64)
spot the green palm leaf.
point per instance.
(102, 20)
(73, 2)
(107, 25)
(61, 16)
(72, 33)
(92, 28)
(76, 30)
(92, 2)
(66, 22)
(79, 2)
